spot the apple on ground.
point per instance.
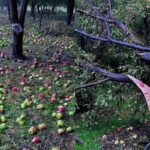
(40, 106)
(60, 123)
(69, 129)
(60, 131)
(42, 126)
(3, 118)
(3, 126)
(35, 140)
(59, 115)
(53, 114)
(32, 130)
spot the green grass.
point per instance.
(92, 138)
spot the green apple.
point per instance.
(1, 102)
(21, 123)
(3, 126)
(59, 115)
(53, 114)
(41, 89)
(18, 120)
(1, 108)
(69, 129)
(23, 105)
(71, 113)
(22, 116)
(60, 123)
(65, 104)
(60, 131)
(3, 118)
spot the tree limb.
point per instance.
(114, 41)
(91, 84)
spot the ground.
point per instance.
(43, 80)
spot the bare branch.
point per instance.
(115, 41)
(92, 84)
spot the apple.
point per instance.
(40, 106)
(18, 120)
(60, 123)
(3, 126)
(41, 126)
(59, 115)
(35, 140)
(21, 123)
(53, 114)
(1, 108)
(22, 116)
(14, 89)
(23, 105)
(71, 113)
(61, 109)
(55, 148)
(41, 96)
(69, 129)
(65, 104)
(32, 130)
(60, 131)
(3, 118)
(41, 89)
(1, 102)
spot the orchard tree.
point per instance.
(17, 18)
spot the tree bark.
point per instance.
(33, 4)
(70, 9)
(17, 18)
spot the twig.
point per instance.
(92, 84)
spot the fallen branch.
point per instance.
(92, 84)
(114, 41)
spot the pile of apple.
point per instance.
(3, 118)
(59, 115)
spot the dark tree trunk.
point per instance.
(33, 4)
(70, 9)
(17, 52)
(147, 25)
(17, 18)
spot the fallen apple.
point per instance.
(60, 123)
(3, 118)
(71, 113)
(60, 131)
(40, 106)
(3, 126)
(21, 123)
(35, 140)
(69, 129)
(53, 114)
(55, 148)
(32, 130)
(61, 109)
(59, 115)
(41, 126)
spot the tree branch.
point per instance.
(92, 84)
(114, 41)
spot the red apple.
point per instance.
(61, 109)
(35, 140)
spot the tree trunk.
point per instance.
(17, 19)
(147, 25)
(70, 8)
(33, 4)
(17, 52)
